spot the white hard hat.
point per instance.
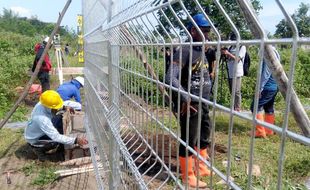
(80, 80)
(46, 40)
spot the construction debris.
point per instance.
(79, 161)
(78, 170)
(255, 170)
(8, 178)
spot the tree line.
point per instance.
(32, 27)
(301, 18)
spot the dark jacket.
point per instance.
(46, 64)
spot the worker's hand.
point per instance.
(72, 111)
(212, 75)
(81, 141)
(224, 51)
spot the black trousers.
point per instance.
(44, 79)
(45, 143)
(57, 122)
(194, 135)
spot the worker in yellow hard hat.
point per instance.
(40, 132)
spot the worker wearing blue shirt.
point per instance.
(71, 90)
(268, 92)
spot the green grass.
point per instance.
(296, 166)
(72, 60)
(45, 176)
(266, 156)
(9, 138)
(12, 144)
(29, 168)
(42, 174)
(22, 111)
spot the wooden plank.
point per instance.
(68, 71)
(78, 170)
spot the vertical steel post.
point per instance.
(114, 150)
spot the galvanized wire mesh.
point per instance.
(128, 102)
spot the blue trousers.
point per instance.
(266, 101)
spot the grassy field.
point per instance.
(266, 155)
(266, 151)
(23, 111)
(296, 168)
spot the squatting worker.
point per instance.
(40, 132)
(199, 65)
(71, 89)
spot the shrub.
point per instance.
(147, 89)
(16, 57)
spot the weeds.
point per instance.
(45, 176)
(29, 169)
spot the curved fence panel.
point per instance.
(168, 103)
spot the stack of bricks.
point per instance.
(73, 126)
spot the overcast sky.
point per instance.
(47, 10)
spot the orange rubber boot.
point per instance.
(260, 130)
(191, 179)
(203, 168)
(269, 118)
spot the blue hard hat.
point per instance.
(200, 20)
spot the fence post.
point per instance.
(114, 149)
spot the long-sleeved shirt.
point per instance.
(267, 81)
(40, 124)
(198, 67)
(70, 90)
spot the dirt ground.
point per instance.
(19, 155)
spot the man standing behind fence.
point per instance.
(267, 93)
(198, 64)
(230, 53)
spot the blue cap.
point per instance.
(200, 20)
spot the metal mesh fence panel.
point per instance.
(149, 105)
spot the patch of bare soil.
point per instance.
(149, 149)
(19, 156)
(149, 164)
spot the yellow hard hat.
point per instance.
(51, 99)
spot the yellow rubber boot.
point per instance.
(260, 130)
(200, 165)
(190, 179)
(269, 118)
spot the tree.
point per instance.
(9, 14)
(301, 19)
(211, 9)
(10, 21)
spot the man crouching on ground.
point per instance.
(40, 132)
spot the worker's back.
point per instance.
(70, 90)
